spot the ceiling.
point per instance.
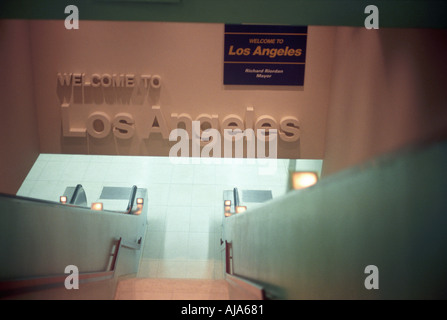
(392, 13)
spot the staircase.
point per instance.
(171, 289)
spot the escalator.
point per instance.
(40, 239)
(75, 196)
(387, 215)
(239, 200)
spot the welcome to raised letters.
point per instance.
(124, 125)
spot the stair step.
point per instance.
(171, 289)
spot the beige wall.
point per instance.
(388, 91)
(19, 144)
(366, 92)
(189, 59)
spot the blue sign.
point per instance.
(264, 55)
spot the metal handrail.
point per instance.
(132, 245)
(75, 194)
(16, 286)
(132, 196)
(78, 193)
(245, 288)
(236, 197)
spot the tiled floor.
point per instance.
(185, 200)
